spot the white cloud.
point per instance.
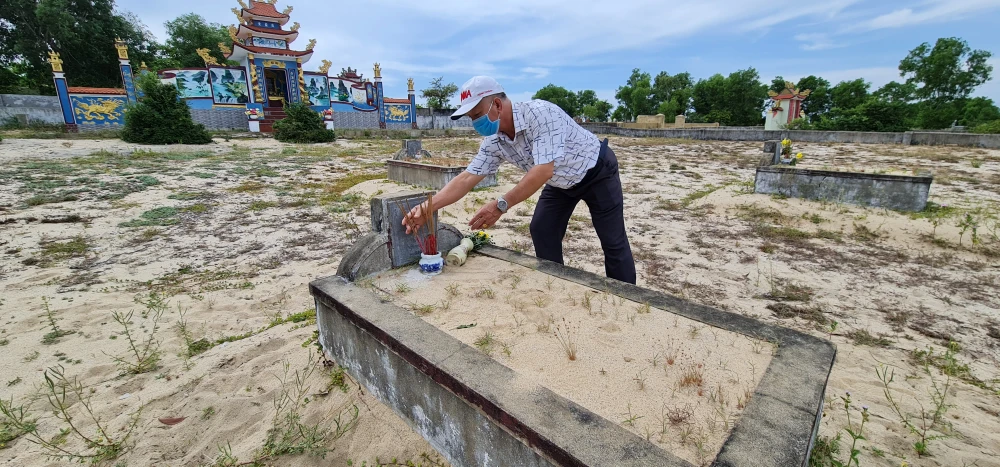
(818, 41)
(537, 73)
(931, 12)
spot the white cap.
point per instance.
(473, 91)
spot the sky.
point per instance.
(587, 44)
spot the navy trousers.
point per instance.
(601, 189)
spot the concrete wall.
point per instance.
(442, 122)
(901, 193)
(37, 109)
(221, 119)
(433, 177)
(759, 134)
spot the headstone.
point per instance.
(679, 121)
(388, 245)
(22, 119)
(772, 153)
(412, 149)
(388, 218)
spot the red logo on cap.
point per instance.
(466, 94)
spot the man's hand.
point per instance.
(416, 218)
(487, 216)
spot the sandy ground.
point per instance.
(669, 379)
(230, 234)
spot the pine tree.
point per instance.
(160, 117)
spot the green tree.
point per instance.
(673, 94)
(818, 103)
(160, 117)
(186, 34)
(302, 125)
(708, 98)
(597, 112)
(83, 32)
(438, 95)
(949, 70)
(978, 111)
(744, 98)
(777, 84)
(849, 94)
(635, 97)
(896, 92)
(559, 96)
(585, 98)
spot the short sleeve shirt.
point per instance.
(543, 133)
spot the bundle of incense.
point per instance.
(427, 242)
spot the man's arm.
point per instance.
(458, 187)
(529, 184)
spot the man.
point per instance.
(544, 141)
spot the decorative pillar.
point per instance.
(254, 83)
(379, 103)
(126, 70)
(304, 96)
(413, 102)
(62, 90)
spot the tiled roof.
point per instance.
(264, 9)
(268, 50)
(82, 90)
(389, 100)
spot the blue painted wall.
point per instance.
(99, 110)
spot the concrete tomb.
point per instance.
(478, 410)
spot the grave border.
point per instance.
(379, 342)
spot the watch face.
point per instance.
(502, 204)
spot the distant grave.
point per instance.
(410, 165)
(778, 175)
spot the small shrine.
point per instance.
(785, 106)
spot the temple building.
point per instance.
(264, 72)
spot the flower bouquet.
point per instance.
(471, 242)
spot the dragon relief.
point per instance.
(326, 67)
(105, 109)
(311, 45)
(397, 113)
(207, 57)
(225, 49)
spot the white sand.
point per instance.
(629, 360)
(900, 286)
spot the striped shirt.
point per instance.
(543, 133)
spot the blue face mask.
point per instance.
(485, 126)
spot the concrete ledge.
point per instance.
(806, 136)
(475, 411)
(898, 192)
(431, 176)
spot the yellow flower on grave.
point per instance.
(798, 156)
(786, 142)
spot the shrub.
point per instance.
(992, 128)
(303, 125)
(800, 124)
(160, 117)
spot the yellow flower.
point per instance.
(798, 156)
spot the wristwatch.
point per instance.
(502, 205)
